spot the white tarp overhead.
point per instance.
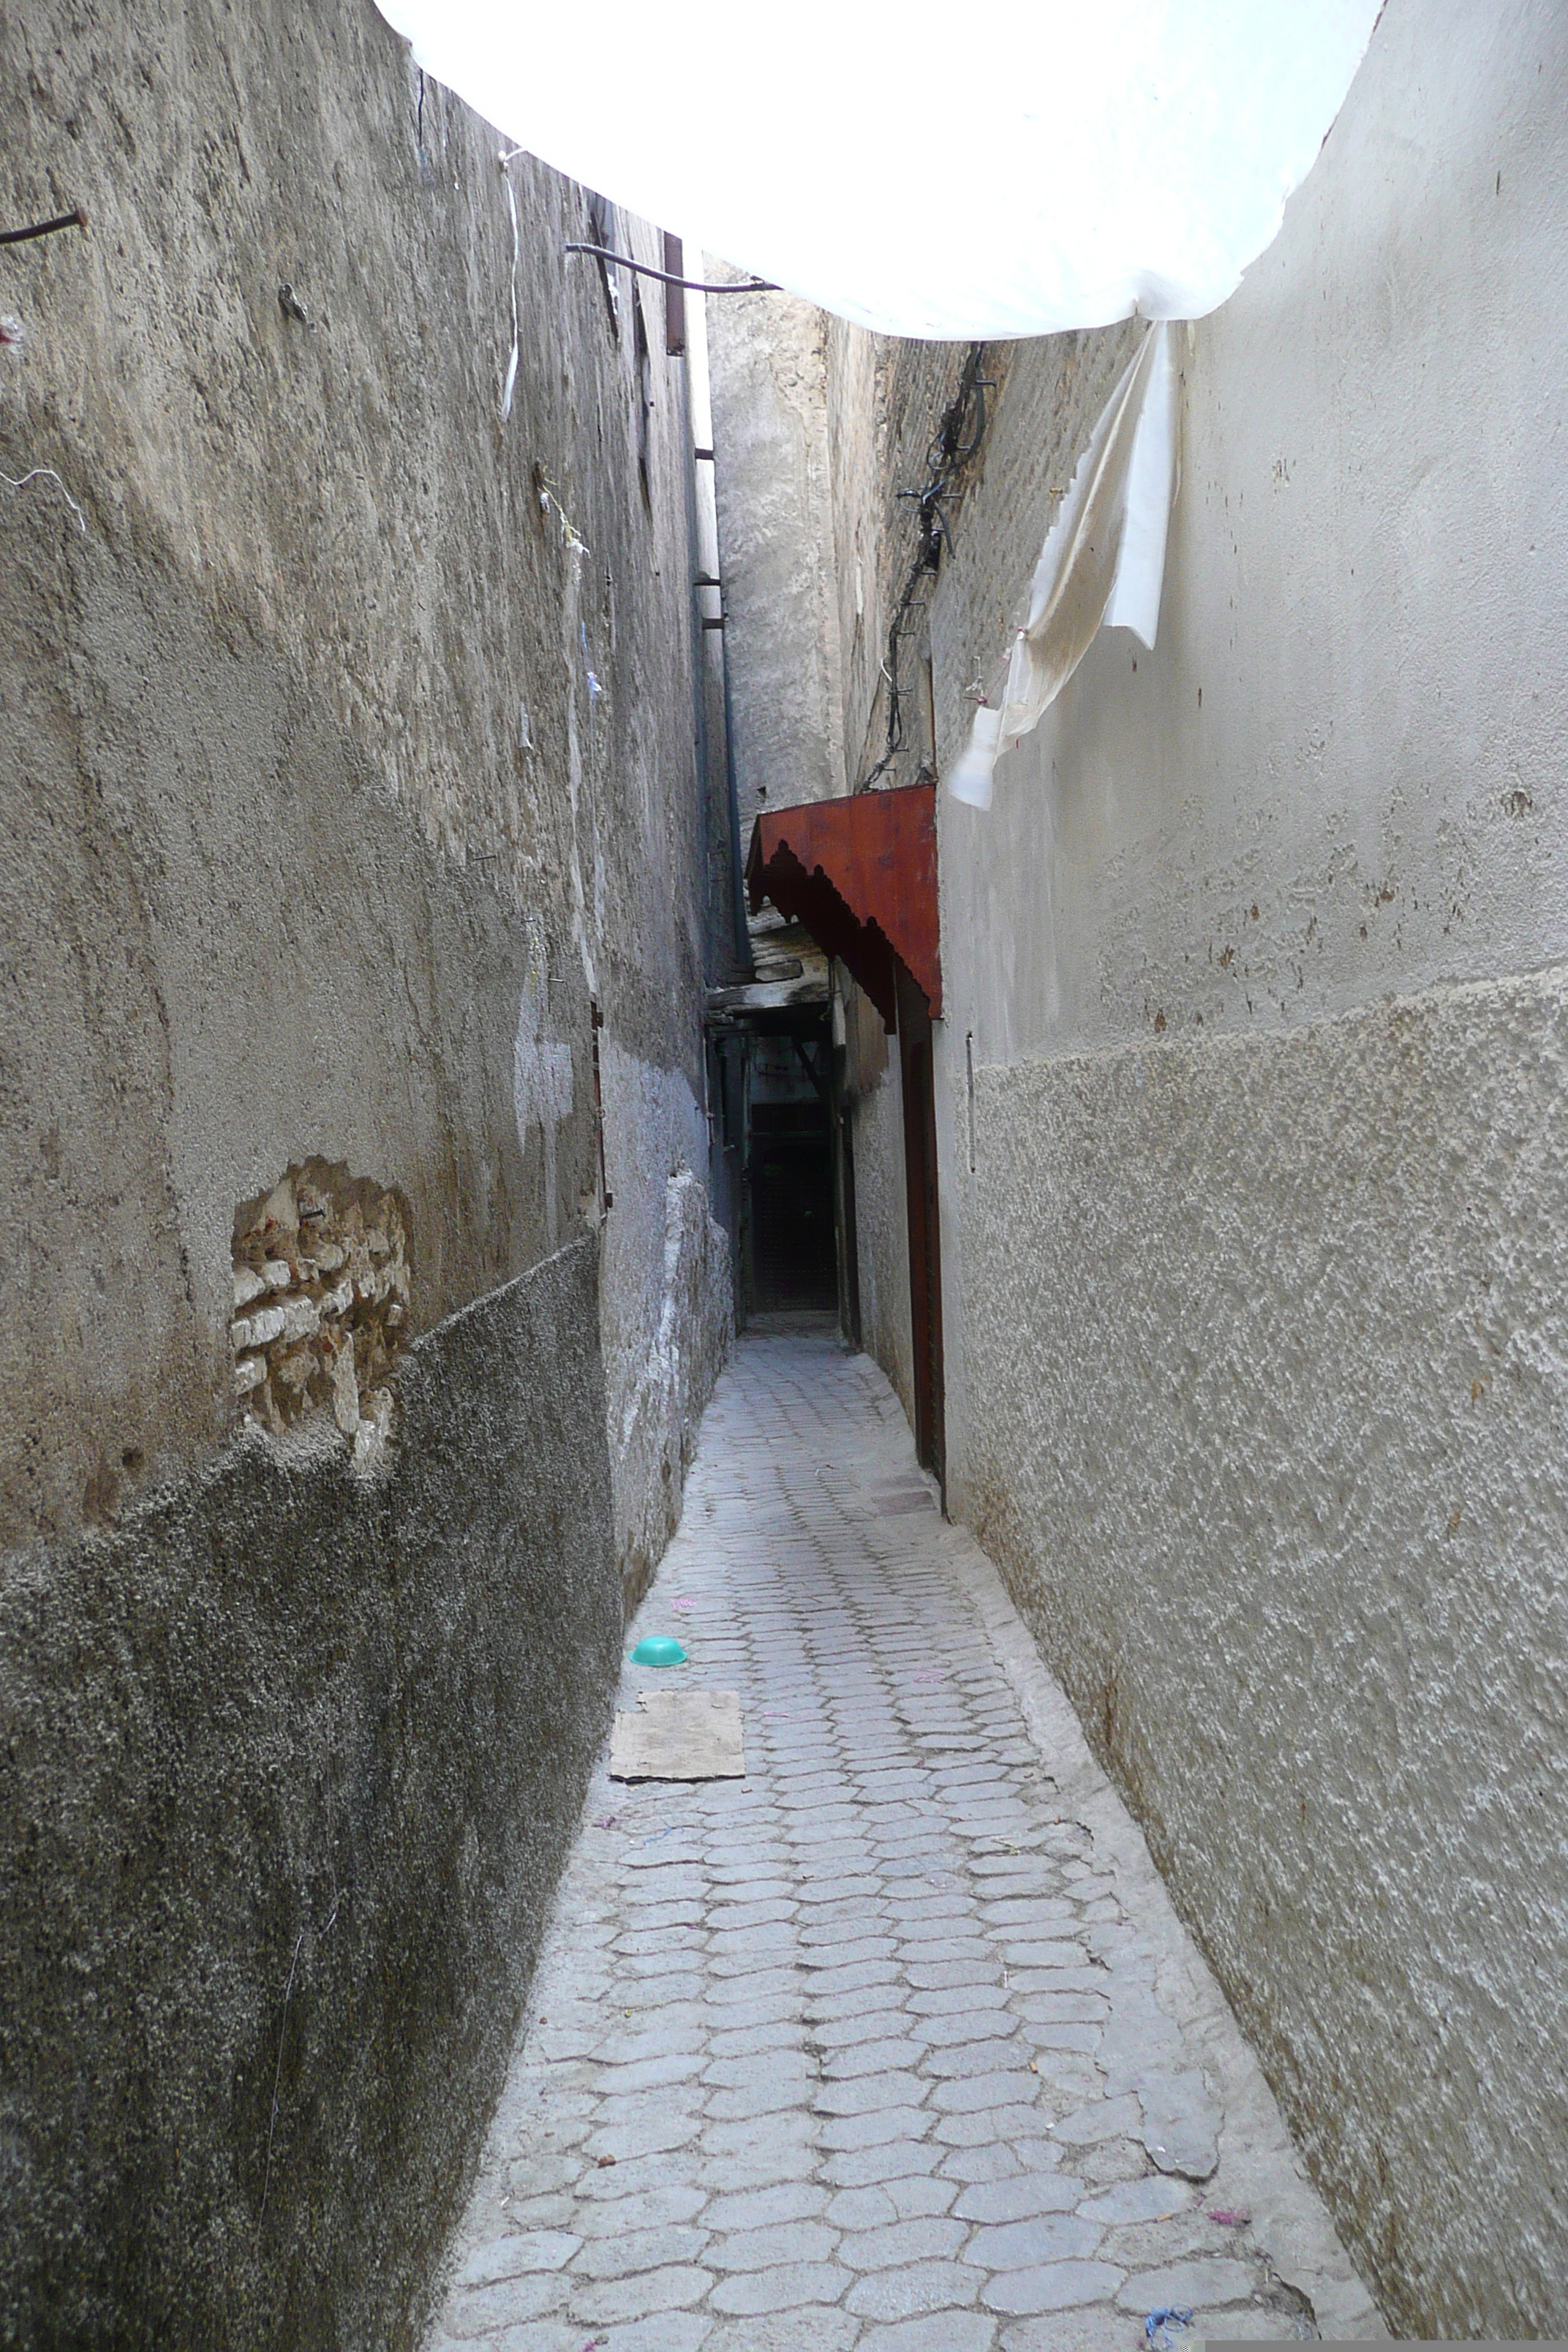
(1032, 166)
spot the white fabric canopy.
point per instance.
(1103, 562)
(1036, 165)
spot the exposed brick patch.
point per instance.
(322, 1291)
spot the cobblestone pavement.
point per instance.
(896, 2044)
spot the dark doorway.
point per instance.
(786, 1245)
(795, 1263)
(925, 1231)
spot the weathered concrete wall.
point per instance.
(768, 354)
(1254, 1379)
(873, 1093)
(885, 400)
(882, 1235)
(290, 654)
(347, 754)
(667, 1265)
(293, 1761)
(1264, 1410)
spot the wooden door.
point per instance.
(924, 1224)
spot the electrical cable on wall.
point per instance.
(77, 220)
(956, 442)
(669, 277)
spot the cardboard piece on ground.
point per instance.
(691, 1734)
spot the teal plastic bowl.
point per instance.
(658, 1649)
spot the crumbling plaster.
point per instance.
(264, 715)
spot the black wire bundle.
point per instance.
(954, 443)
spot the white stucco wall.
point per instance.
(1364, 582)
(1258, 1365)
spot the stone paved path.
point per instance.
(897, 2043)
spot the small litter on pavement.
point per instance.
(1229, 2217)
(1158, 2324)
(658, 1649)
(679, 1735)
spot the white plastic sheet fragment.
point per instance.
(1151, 489)
(1043, 166)
(1102, 563)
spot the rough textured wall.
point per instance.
(886, 400)
(882, 1232)
(1254, 1373)
(668, 1264)
(286, 872)
(293, 1759)
(226, 950)
(348, 753)
(1263, 1346)
(775, 538)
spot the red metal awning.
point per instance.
(860, 873)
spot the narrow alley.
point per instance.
(787, 871)
(896, 2041)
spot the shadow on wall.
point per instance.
(664, 1408)
(296, 1757)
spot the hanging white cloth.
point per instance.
(1044, 166)
(1103, 563)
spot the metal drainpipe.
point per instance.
(737, 874)
(699, 659)
(700, 409)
